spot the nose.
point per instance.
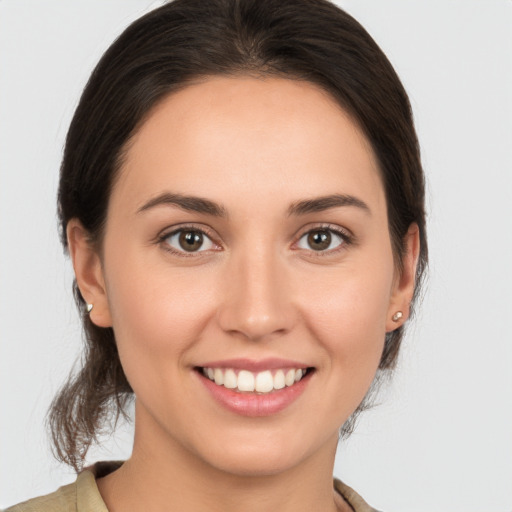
(256, 297)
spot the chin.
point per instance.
(268, 457)
(261, 464)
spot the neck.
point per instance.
(164, 475)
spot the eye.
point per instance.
(322, 239)
(189, 240)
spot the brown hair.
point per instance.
(310, 40)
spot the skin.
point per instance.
(255, 147)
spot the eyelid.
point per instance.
(172, 230)
(344, 233)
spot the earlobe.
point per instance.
(89, 273)
(403, 289)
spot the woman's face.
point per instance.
(247, 237)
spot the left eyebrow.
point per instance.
(320, 204)
(185, 202)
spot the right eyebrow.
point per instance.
(185, 202)
(320, 204)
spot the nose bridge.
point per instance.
(255, 302)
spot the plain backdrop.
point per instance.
(441, 439)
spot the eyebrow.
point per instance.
(208, 207)
(320, 204)
(189, 203)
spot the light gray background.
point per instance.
(442, 438)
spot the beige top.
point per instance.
(83, 495)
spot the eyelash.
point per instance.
(346, 237)
(162, 240)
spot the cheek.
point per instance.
(348, 320)
(156, 313)
(348, 314)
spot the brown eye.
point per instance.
(320, 240)
(189, 240)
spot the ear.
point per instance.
(88, 272)
(403, 287)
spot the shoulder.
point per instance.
(62, 500)
(352, 498)
(80, 496)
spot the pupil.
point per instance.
(191, 240)
(319, 240)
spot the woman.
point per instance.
(242, 199)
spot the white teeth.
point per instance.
(245, 381)
(218, 375)
(261, 382)
(264, 382)
(289, 378)
(230, 379)
(279, 380)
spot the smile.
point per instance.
(262, 382)
(255, 388)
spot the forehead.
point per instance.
(249, 136)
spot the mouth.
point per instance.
(255, 389)
(262, 382)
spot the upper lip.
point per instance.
(253, 365)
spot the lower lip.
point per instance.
(253, 404)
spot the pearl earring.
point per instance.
(397, 316)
